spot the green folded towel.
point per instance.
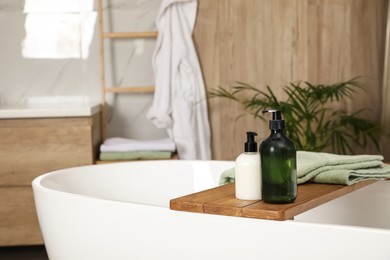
(332, 168)
(349, 177)
(227, 177)
(135, 155)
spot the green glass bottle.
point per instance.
(278, 164)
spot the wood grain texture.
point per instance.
(134, 89)
(221, 201)
(264, 42)
(119, 35)
(385, 140)
(31, 147)
(18, 219)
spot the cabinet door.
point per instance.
(18, 219)
(31, 147)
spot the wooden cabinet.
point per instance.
(31, 147)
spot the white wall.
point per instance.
(128, 64)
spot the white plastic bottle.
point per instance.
(247, 171)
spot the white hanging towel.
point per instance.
(180, 103)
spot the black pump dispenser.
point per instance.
(250, 145)
(277, 123)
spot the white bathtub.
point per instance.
(121, 211)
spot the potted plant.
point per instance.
(312, 120)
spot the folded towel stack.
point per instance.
(117, 148)
(339, 169)
(332, 168)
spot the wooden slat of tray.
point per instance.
(221, 201)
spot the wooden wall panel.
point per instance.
(385, 141)
(274, 42)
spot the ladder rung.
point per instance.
(145, 89)
(130, 34)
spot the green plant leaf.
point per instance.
(311, 120)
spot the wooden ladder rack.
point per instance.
(116, 89)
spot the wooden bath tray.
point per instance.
(221, 201)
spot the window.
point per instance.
(58, 29)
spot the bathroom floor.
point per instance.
(23, 253)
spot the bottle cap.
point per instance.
(277, 123)
(250, 145)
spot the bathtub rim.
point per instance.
(37, 181)
(84, 198)
(38, 187)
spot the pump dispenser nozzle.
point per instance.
(250, 145)
(277, 123)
